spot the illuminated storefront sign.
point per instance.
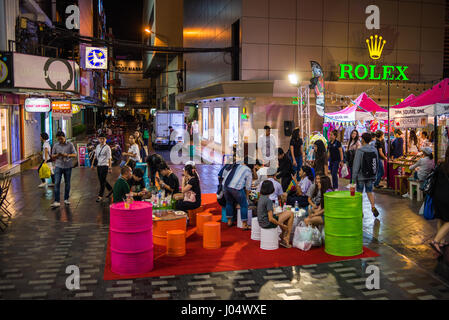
(373, 72)
(61, 109)
(37, 105)
(76, 108)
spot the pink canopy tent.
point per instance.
(431, 102)
(361, 109)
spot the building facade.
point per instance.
(280, 37)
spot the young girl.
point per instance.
(266, 218)
(315, 218)
(300, 194)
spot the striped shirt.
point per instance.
(242, 178)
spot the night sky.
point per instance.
(125, 19)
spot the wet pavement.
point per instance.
(41, 242)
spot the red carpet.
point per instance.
(238, 252)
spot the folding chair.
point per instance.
(3, 202)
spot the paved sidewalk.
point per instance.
(41, 242)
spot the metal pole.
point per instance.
(388, 136)
(300, 112)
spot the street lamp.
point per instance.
(294, 80)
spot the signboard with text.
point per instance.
(61, 109)
(412, 122)
(37, 105)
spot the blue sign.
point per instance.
(96, 58)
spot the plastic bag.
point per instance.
(44, 171)
(316, 237)
(421, 211)
(302, 238)
(344, 171)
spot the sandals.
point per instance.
(247, 228)
(285, 245)
(436, 246)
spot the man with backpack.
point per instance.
(366, 162)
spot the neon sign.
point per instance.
(375, 47)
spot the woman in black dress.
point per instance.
(441, 204)
(320, 162)
(191, 190)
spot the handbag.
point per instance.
(190, 196)
(96, 158)
(344, 171)
(429, 211)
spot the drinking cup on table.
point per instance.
(352, 189)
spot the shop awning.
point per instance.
(361, 109)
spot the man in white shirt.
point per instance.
(267, 147)
(103, 154)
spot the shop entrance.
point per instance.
(15, 134)
(4, 136)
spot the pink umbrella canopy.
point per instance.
(362, 108)
(437, 94)
(405, 102)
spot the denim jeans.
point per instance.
(380, 173)
(333, 167)
(59, 172)
(298, 166)
(233, 197)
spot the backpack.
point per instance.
(369, 164)
(429, 183)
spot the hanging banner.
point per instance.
(318, 84)
(411, 122)
(411, 112)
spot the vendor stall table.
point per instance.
(131, 238)
(343, 223)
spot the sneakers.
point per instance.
(51, 185)
(55, 204)
(42, 185)
(405, 195)
(99, 199)
(67, 202)
(375, 212)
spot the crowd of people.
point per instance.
(296, 182)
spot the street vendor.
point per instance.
(424, 165)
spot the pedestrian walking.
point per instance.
(103, 155)
(335, 154)
(46, 158)
(353, 145)
(441, 204)
(365, 169)
(62, 154)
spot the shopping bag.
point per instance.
(316, 237)
(302, 238)
(429, 212)
(344, 171)
(44, 171)
(421, 210)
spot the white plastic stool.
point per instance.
(269, 238)
(419, 195)
(255, 229)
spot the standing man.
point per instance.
(335, 155)
(268, 147)
(365, 169)
(237, 186)
(103, 154)
(380, 146)
(62, 154)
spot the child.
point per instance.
(323, 185)
(300, 194)
(266, 218)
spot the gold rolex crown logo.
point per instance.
(375, 46)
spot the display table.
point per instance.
(131, 238)
(167, 220)
(343, 227)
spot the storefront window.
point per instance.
(217, 125)
(233, 126)
(4, 137)
(206, 123)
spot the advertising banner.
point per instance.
(6, 70)
(34, 72)
(411, 122)
(61, 109)
(96, 58)
(82, 154)
(37, 105)
(318, 84)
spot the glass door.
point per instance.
(15, 134)
(4, 136)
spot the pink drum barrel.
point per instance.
(131, 238)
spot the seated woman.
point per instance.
(266, 218)
(190, 198)
(323, 185)
(302, 186)
(424, 166)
